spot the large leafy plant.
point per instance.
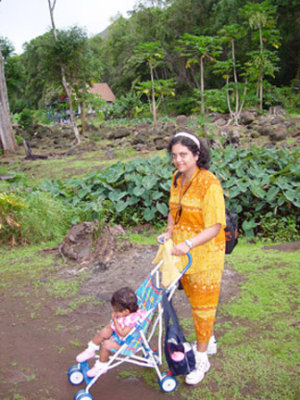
(257, 182)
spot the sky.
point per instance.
(23, 20)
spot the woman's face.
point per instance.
(184, 160)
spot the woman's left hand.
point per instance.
(180, 249)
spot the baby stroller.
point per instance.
(136, 349)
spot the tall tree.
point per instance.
(153, 54)
(229, 69)
(63, 76)
(197, 49)
(261, 18)
(7, 137)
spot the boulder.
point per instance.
(279, 132)
(247, 117)
(119, 132)
(221, 122)
(78, 242)
(182, 120)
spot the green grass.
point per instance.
(21, 265)
(257, 332)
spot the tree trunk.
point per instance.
(202, 85)
(63, 78)
(153, 96)
(237, 100)
(261, 79)
(7, 138)
(83, 117)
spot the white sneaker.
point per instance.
(212, 347)
(202, 366)
(99, 366)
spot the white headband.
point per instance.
(188, 135)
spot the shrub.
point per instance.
(33, 218)
(44, 218)
(26, 118)
(10, 206)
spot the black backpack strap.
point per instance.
(170, 314)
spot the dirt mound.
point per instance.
(293, 246)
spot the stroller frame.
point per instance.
(150, 358)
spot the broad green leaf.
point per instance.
(132, 200)
(290, 195)
(138, 191)
(156, 195)
(272, 193)
(234, 191)
(120, 206)
(256, 190)
(149, 182)
(149, 214)
(83, 192)
(243, 186)
(162, 208)
(115, 196)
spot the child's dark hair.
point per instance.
(204, 157)
(124, 299)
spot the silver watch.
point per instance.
(189, 243)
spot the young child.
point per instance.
(124, 317)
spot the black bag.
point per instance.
(231, 230)
(179, 353)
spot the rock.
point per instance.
(182, 120)
(221, 122)
(264, 130)
(160, 144)
(77, 244)
(277, 119)
(278, 133)
(169, 128)
(254, 134)
(247, 117)
(276, 110)
(120, 132)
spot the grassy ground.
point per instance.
(257, 328)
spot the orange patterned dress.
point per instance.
(202, 206)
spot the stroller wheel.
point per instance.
(75, 375)
(83, 395)
(168, 384)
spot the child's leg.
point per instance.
(104, 333)
(94, 344)
(106, 347)
(101, 364)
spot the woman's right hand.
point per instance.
(163, 237)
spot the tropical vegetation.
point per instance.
(245, 51)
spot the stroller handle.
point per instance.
(188, 264)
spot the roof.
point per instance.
(103, 90)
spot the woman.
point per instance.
(196, 223)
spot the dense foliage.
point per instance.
(261, 184)
(242, 44)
